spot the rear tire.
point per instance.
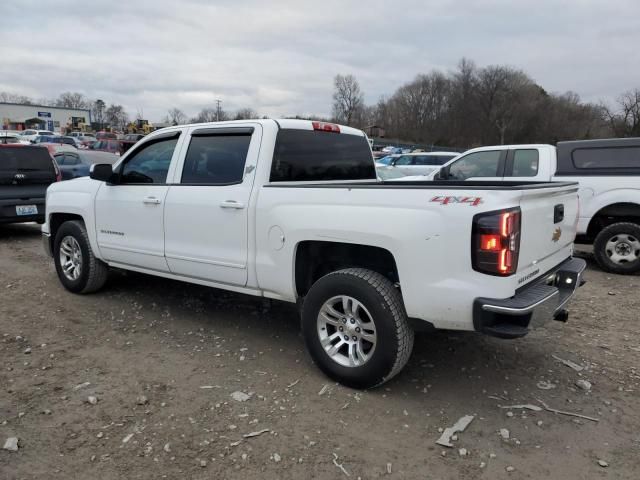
(617, 248)
(78, 269)
(355, 327)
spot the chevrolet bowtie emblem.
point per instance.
(557, 233)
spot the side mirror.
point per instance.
(443, 174)
(103, 172)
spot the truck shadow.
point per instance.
(453, 363)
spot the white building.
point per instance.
(15, 116)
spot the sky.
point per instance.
(280, 57)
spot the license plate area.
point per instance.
(23, 210)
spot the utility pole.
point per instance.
(218, 103)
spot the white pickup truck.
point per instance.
(608, 172)
(291, 210)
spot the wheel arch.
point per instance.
(613, 213)
(315, 258)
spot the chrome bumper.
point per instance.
(533, 305)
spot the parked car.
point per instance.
(55, 139)
(292, 210)
(609, 175)
(28, 135)
(75, 164)
(7, 137)
(25, 173)
(420, 163)
(385, 161)
(106, 136)
(112, 146)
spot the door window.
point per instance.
(478, 164)
(149, 164)
(216, 159)
(404, 160)
(525, 163)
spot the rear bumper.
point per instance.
(8, 210)
(532, 306)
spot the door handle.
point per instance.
(232, 204)
(151, 201)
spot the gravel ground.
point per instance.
(139, 380)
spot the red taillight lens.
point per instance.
(490, 243)
(326, 127)
(496, 242)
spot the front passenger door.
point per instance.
(130, 213)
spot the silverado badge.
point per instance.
(557, 233)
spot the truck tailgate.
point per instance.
(549, 221)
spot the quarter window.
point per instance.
(150, 164)
(478, 164)
(216, 159)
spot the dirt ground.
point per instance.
(186, 349)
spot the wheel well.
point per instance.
(57, 219)
(314, 259)
(618, 212)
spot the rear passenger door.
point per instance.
(207, 206)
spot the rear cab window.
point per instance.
(32, 161)
(311, 155)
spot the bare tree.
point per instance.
(625, 122)
(98, 112)
(210, 115)
(246, 114)
(116, 116)
(8, 97)
(348, 99)
(73, 100)
(175, 116)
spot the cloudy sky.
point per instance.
(279, 57)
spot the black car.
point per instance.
(25, 173)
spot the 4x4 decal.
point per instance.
(446, 200)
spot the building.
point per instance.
(14, 116)
(374, 131)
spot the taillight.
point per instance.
(326, 127)
(495, 242)
(57, 170)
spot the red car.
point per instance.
(106, 136)
(113, 146)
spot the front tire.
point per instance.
(78, 269)
(355, 327)
(617, 248)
